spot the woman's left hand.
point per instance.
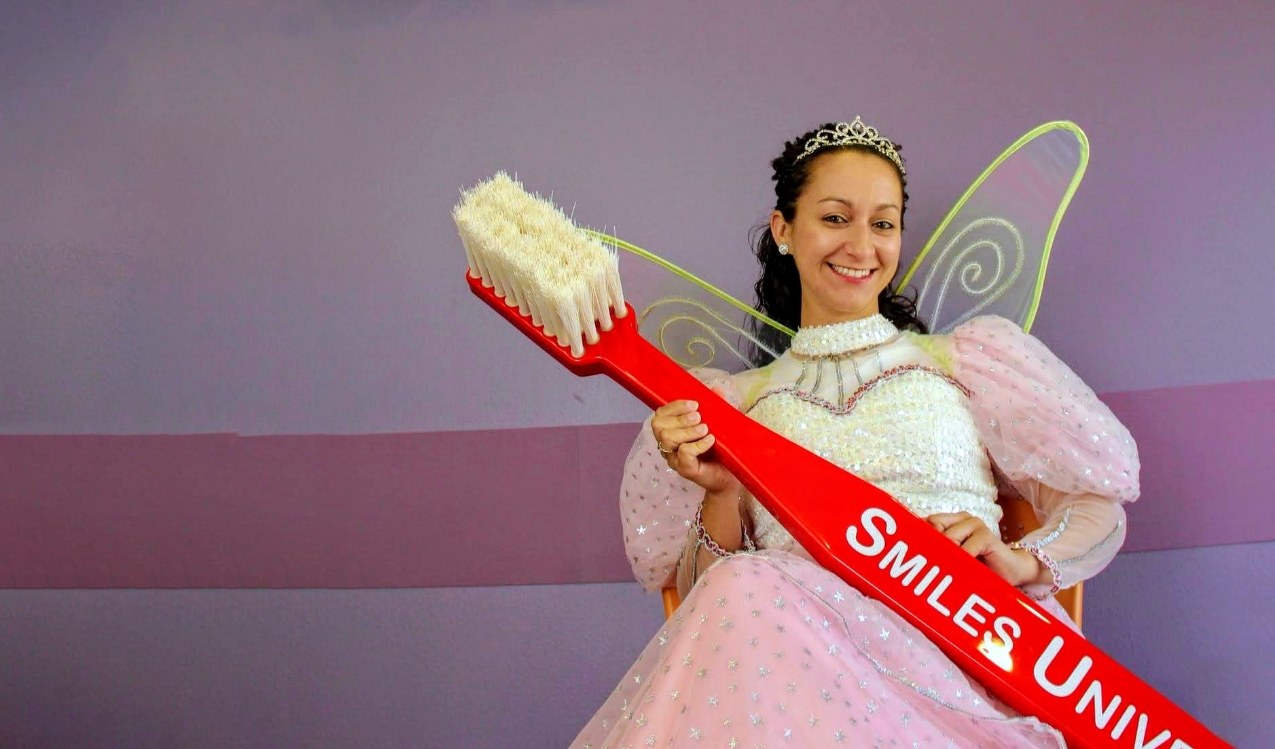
(1015, 566)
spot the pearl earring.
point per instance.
(783, 249)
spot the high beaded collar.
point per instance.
(843, 337)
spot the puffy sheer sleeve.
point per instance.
(657, 505)
(1052, 442)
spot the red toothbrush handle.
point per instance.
(1001, 638)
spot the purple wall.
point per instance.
(233, 217)
(443, 667)
(1189, 622)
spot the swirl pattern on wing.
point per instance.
(976, 267)
(695, 334)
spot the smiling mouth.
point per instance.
(855, 273)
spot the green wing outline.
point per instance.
(689, 277)
(1017, 145)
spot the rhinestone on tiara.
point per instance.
(855, 133)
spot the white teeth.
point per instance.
(850, 272)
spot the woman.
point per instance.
(770, 649)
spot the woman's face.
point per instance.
(845, 235)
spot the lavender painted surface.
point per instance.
(500, 507)
(233, 216)
(469, 668)
(1195, 624)
(443, 668)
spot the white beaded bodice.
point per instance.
(867, 398)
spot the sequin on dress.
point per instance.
(768, 649)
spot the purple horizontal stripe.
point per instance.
(1208, 464)
(411, 510)
(515, 506)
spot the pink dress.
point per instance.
(768, 649)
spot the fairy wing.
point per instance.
(989, 254)
(691, 320)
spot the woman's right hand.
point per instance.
(683, 439)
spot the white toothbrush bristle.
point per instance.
(535, 257)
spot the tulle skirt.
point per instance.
(771, 650)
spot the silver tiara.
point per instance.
(854, 134)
